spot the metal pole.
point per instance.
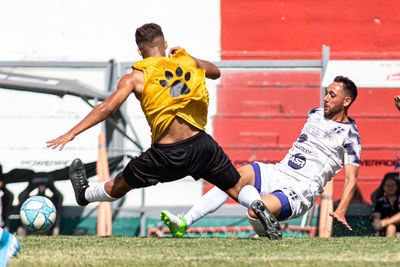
(325, 60)
(326, 206)
(121, 70)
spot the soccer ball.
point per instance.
(38, 214)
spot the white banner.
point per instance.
(365, 73)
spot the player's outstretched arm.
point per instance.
(99, 113)
(397, 102)
(212, 71)
(349, 186)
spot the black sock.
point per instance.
(82, 198)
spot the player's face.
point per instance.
(390, 187)
(335, 100)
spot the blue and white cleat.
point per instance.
(9, 247)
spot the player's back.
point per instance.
(173, 88)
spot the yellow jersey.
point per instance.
(173, 86)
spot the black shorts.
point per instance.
(198, 156)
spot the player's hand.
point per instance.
(397, 102)
(62, 140)
(341, 219)
(173, 50)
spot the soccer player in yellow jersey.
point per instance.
(174, 99)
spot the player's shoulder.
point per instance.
(133, 78)
(352, 122)
(315, 111)
(353, 131)
(133, 75)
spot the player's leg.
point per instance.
(142, 171)
(279, 201)
(106, 191)
(243, 191)
(109, 190)
(9, 247)
(273, 204)
(263, 216)
(208, 203)
(238, 184)
(211, 163)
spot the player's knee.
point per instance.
(233, 192)
(245, 179)
(278, 204)
(246, 175)
(251, 214)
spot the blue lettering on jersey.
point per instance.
(297, 161)
(302, 138)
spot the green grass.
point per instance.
(135, 251)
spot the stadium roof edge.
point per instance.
(47, 85)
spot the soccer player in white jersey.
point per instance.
(328, 142)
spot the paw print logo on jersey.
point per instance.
(178, 86)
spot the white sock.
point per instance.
(247, 195)
(1, 231)
(208, 203)
(97, 193)
(257, 226)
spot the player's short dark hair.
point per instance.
(149, 35)
(349, 86)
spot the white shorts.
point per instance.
(298, 193)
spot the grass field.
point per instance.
(135, 251)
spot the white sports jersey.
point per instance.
(321, 151)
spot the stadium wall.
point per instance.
(260, 113)
(276, 29)
(228, 29)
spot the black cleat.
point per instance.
(77, 175)
(271, 225)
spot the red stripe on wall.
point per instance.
(279, 29)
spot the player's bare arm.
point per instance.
(397, 102)
(349, 186)
(99, 113)
(212, 71)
